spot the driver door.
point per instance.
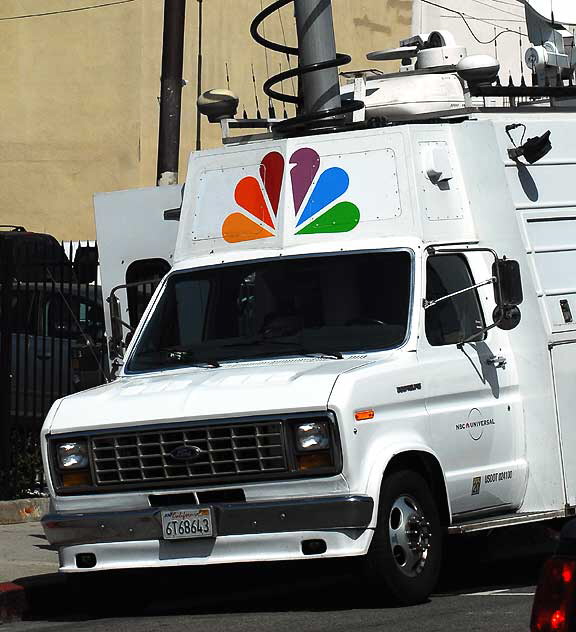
(470, 388)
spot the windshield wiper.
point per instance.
(300, 348)
(324, 354)
(183, 354)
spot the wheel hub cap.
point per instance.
(410, 536)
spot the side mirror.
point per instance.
(117, 331)
(508, 286)
(507, 293)
(507, 317)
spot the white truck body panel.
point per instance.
(130, 227)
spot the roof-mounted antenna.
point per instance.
(258, 115)
(522, 82)
(227, 76)
(495, 44)
(284, 113)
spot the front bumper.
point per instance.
(336, 513)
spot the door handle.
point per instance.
(499, 362)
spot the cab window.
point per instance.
(457, 318)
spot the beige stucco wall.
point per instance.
(79, 111)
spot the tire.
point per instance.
(406, 551)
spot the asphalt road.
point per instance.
(488, 584)
(500, 614)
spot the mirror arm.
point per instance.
(129, 327)
(480, 332)
(427, 304)
(497, 281)
(126, 286)
(116, 343)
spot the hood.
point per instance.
(232, 390)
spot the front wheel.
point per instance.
(406, 551)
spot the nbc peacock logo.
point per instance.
(259, 199)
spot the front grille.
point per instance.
(231, 451)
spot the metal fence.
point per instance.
(51, 343)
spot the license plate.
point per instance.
(187, 523)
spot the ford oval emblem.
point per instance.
(186, 453)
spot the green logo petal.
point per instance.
(339, 219)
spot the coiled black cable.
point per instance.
(322, 121)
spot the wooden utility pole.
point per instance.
(171, 92)
(199, 78)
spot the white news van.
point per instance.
(336, 364)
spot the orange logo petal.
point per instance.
(248, 195)
(238, 227)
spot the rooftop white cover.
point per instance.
(564, 10)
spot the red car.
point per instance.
(554, 608)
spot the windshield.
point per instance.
(293, 306)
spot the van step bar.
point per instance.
(495, 522)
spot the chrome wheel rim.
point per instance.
(410, 535)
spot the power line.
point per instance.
(470, 17)
(38, 15)
(510, 4)
(490, 6)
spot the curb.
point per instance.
(26, 510)
(13, 602)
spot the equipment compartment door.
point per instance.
(564, 369)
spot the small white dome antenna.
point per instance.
(218, 104)
(478, 70)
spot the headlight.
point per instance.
(73, 455)
(313, 436)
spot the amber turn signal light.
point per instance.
(363, 415)
(76, 479)
(312, 461)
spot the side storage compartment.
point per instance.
(564, 369)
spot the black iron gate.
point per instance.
(51, 344)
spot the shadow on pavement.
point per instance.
(505, 559)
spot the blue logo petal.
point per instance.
(331, 185)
